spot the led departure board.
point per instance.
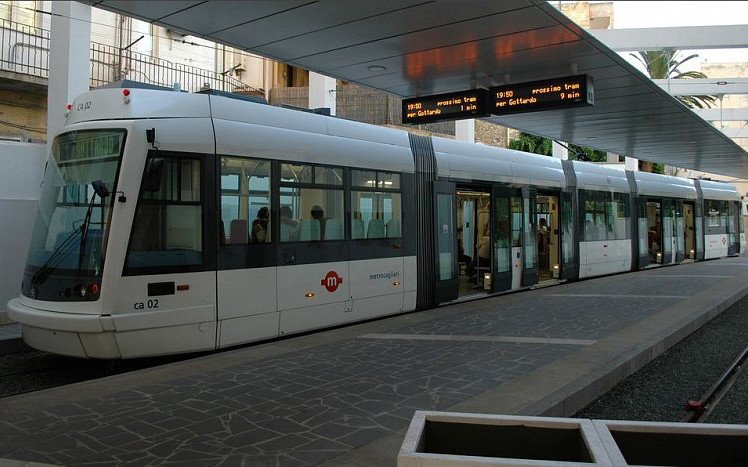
(546, 94)
(451, 106)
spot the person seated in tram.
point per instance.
(260, 226)
(289, 228)
(319, 214)
(544, 240)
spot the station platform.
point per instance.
(346, 396)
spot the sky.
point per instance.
(652, 14)
(631, 14)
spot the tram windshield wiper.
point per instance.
(64, 247)
(102, 191)
(54, 259)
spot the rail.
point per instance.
(25, 50)
(699, 409)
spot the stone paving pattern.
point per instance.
(307, 407)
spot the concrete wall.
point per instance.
(23, 115)
(20, 179)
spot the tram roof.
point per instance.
(416, 47)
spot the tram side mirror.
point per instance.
(100, 188)
(154, 171)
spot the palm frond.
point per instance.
(663, 64)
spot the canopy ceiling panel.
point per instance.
(411, 48)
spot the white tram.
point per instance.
(172, 222)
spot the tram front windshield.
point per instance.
(66, 256)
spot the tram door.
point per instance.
(734, 227)
(654, 232)
(668, 228)
(502, 240)
(474, 241)
(529, 237)
(549, 261)
(169, 260)
(642, 210)
(680, 232)
(445, 242)
(689, 217)
(568, 242)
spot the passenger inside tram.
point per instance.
(319, 215)
(260, 226)
(289, 228)
(543, 244)
(654, 244)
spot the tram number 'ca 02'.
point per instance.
(147, 305)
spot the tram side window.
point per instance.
(245, 201)
(516, 206)
(717, 213)
(606, 216)
(376, 205)
(311, 203)
(167, 229)
(619, 217)
(595, 225)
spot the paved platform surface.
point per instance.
(346, 396)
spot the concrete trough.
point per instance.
(683, 444)
(450, 439)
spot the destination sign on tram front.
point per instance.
(546, 94)
(450, 106)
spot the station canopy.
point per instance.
(413, 48)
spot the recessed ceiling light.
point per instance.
(377, 67)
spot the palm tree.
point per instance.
(664, 64)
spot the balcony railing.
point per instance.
(25, 50)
